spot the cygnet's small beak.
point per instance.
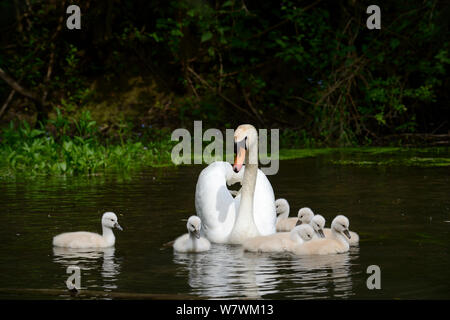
(197, 234)
(347, 234)
(321, 234)
(299, 222)
(117, 226)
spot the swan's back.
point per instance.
(80, 239)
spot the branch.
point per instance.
(5, 105)
(218, 93)
(17, 87)
(247, 99)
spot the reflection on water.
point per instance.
(399, 213)
(227, 271)
(88, 261)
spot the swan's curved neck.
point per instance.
(340, 237)
(248, 192)
(283, 215)
(108, 235)
(244, 226)
(294, 236)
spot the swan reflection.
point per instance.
(88, 261)
(228, 272)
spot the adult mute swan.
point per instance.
(252, 212)
(192, 241)
(336, 244)
(281, 241)
(83, 239)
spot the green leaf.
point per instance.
(227, 4)
(206, 36)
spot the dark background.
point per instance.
(311, 68)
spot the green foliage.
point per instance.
(313, 69)
(28, 151)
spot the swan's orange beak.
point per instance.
(239, 159)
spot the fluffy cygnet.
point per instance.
(318, 223)
(84, 239)
(282, 209)
(192, 241)
(337, 243)
(280, 242)
(304, 216)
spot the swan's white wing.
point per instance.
(214, 203)
(264, 211)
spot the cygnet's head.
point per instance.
(109, 220)
(305, 231)
(318, 223)
(282, 206)
(305, 216)
(194, 225)
(341, 225)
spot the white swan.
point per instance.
(192, 241)
(280, 242)
(89, 239)
(252, 212)
(304, 216)
(336, 244)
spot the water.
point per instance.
(400, 214)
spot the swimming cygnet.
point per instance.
(280, 242)
(337, 243)
(81, 239)
(353, 241)
(192, 241)
(286, 224)
(282, 209)
(317, 223)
